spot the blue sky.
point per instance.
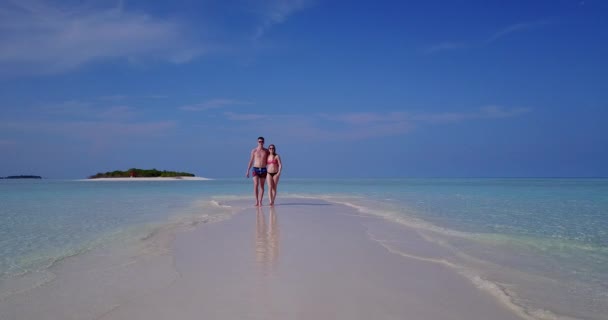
(343, 88)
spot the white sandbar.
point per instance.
(304, 259)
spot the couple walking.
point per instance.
(266, 166)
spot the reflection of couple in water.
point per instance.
(266, 239)
(266, 163)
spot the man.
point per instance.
(259, 156)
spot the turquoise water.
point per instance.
(538, 235)
(44, 221)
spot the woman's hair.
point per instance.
(275, 149)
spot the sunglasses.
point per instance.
(260, 141)
(271, 148)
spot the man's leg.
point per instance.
(262, 184)
(256, 183)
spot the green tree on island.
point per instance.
(145, 173)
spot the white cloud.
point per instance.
(276, 12)
(212, 104)
(37, 37)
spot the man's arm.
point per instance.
(250, 164)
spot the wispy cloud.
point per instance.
(518, 27)
(7, 143)
(408, 120)
(362, 118)
(245, 116)
(95, 130)
(276, 12)
(488, 112)
(103, 135)
(121, 129)
(458, 45)
(117, 113)
(100, 136)
(156, 96)
(362, 125)
(124, 97)
(501, 112)
(87, 110)
(212, 104)
(324, 127)
(444, 46)
(115, 97)
(37, 37)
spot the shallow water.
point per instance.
(544, 241)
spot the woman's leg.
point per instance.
(271, 189)
(275, 184)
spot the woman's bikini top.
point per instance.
(273, 161)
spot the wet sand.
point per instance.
(307, 259)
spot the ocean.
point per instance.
(540, 245)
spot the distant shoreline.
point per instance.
(149, 179)
(21, 177)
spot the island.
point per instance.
(141, 173)
(22, 177)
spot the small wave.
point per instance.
(36, 270)
(500, 293)
(219, 204)
(381, 210)
(41, 262)
(541, 244)
(432, 233)
(400, 215)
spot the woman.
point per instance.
(273, 167)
